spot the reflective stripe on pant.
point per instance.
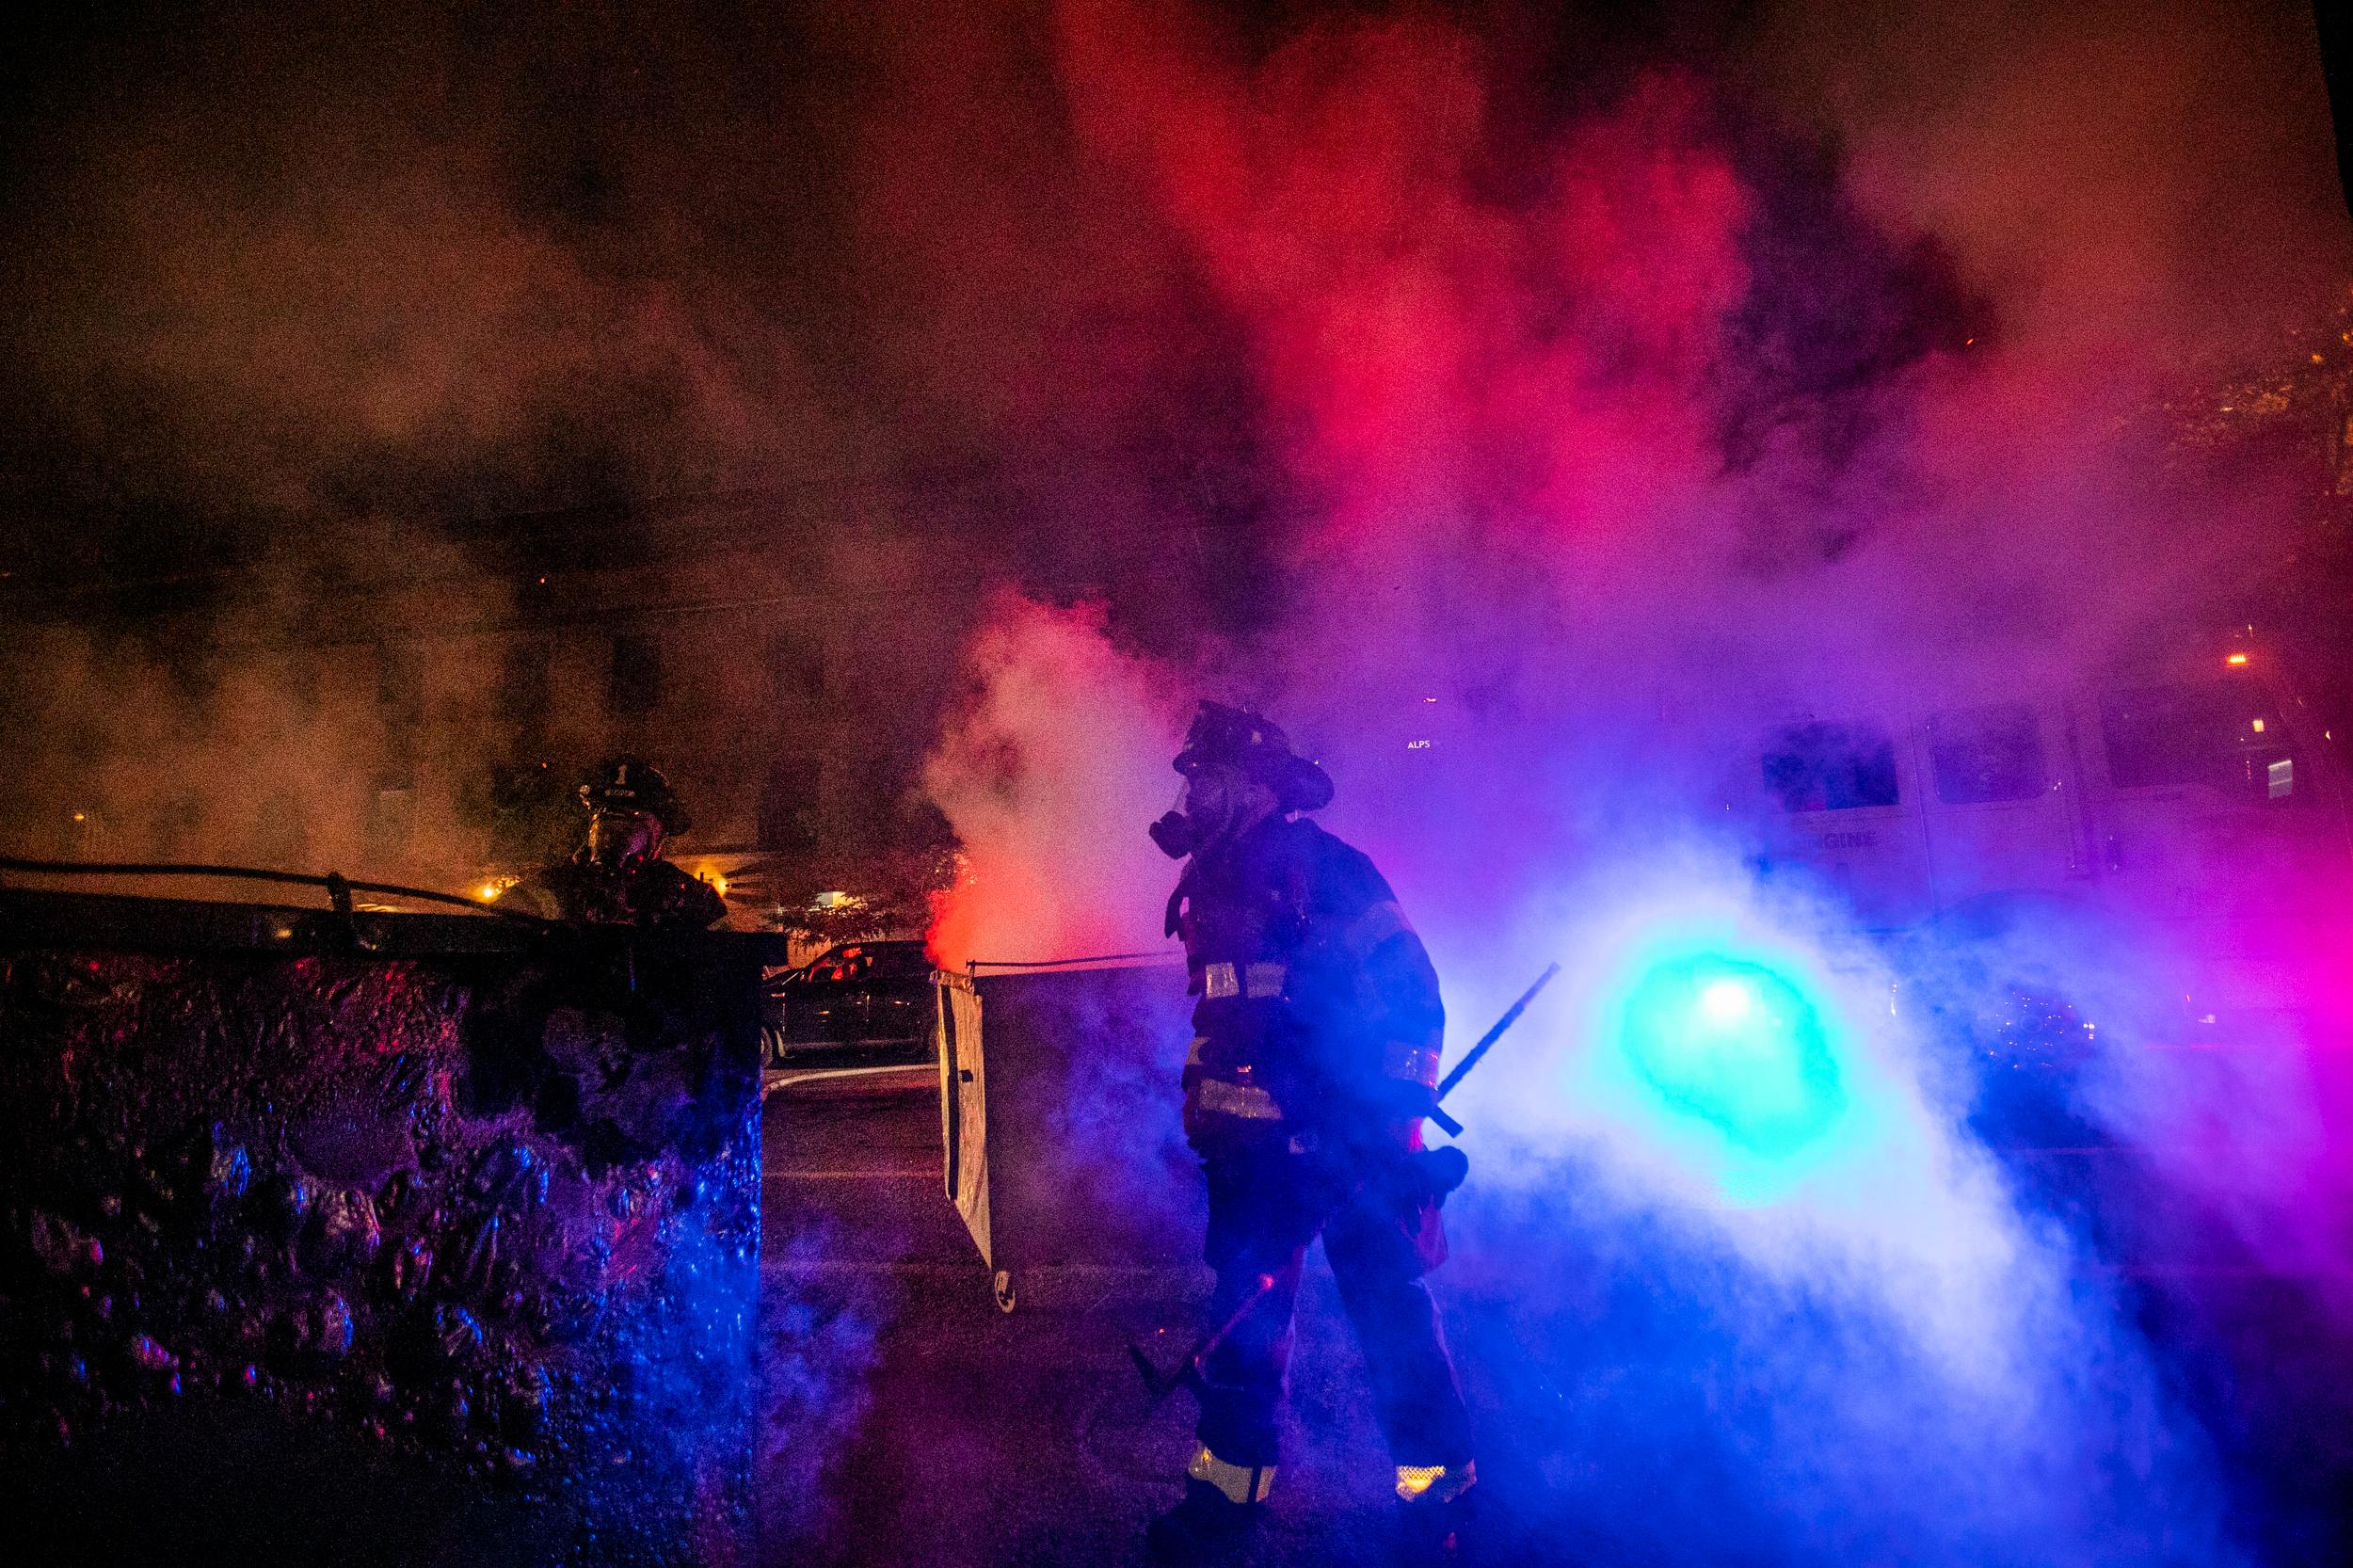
(1435, 1484)
(1262, 1215)
(1237, 1483)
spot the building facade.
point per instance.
(423, 721)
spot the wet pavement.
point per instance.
(912, 1421)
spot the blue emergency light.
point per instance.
(1737, 1045)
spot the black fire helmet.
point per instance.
(633, 784)
(1255, 744)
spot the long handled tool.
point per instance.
(1189, 1370)
(1486, 1042)
(1446, 1175)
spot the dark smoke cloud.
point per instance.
(287, 290)
(1649, 388)
(1811, 373)
(1526, 405)
(2151, 182)
(304, 268)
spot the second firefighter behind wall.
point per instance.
(1317, 1039)
(618, 877)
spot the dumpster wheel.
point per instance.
(1001, 1286)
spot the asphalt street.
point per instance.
(911, 1421)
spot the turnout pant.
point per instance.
(1264, 1209)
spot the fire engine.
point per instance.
(2183, 817)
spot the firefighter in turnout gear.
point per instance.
(619, 876)
(1317, 1039)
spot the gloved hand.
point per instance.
(1385, 1156)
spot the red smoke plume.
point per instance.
(1609, 433)
(1049, 775)
(1430, 344)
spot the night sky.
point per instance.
(457, 265)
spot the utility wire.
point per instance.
(931, 493)
(939, 587)
(331, 881)
(971, 965)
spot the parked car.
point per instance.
(860, 1004)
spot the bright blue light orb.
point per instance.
(1737, 1046)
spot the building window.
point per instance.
(280, 840)
(86, 835)
(789, 806)
(634, 688)
(391, 819)
(797, 669)
(399, 684)
(534, 814)
(522, 688)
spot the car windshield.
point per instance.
(2218, 735)
(1979, 754)
(1830, 767)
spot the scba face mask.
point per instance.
(1178, 832)
(623, 840)
(1174, 833)
(1205, 809)
(1204, 803)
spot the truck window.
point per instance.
(2223, 736)
(901, 961)
(873, 961)
(1830, 767)
(843, 963)
(1986, 754)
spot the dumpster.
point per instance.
(1060, 1122)
(339, 1235)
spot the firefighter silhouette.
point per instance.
(1317, 1037)
(618, 877)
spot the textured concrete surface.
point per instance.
(385, 1253)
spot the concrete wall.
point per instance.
(383, 1238)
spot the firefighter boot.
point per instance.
(1431, 1503)
(1221, 1510)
